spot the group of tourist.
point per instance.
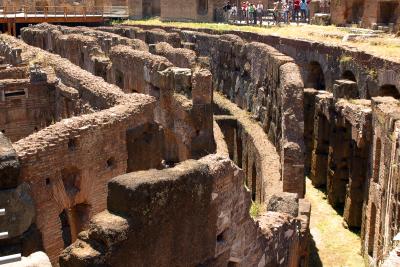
(291, 10)
(249, 11)
(283, 11)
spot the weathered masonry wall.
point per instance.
(366, 13)
(321, 64)
(249, 147)
(202, 10)
(339, 123)
(382, 209)
(25, 107)
(184, 95)
(354, 155)
(220, 231)
(68, 184)
(261, 80)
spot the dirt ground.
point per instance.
(332, 245)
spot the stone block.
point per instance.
(284, 202)
(345, 89)
(9, 164)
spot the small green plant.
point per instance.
(373, 74)
(255, 209)
(38, 61)
(345, 59)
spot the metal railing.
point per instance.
(63, 11)
(8, 258)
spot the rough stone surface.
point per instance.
(9, 164)
(284, 202)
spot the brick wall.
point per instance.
(217, 228)
(69, 163)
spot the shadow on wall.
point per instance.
(314, 259)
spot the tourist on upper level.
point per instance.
(252, 13)
(296, 10)
(227, 11)
(304, 10)
(285, 11)
(278, 7)
(234, 13)
(260, 12)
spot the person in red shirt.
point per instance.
(296, 10)
(244, 10)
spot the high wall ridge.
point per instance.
(259, 79)
(334, 59)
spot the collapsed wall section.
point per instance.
(196, 197)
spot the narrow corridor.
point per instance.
(332, 245)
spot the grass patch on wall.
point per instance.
(256, 209)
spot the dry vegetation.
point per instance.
(330, 236)
(384, 45)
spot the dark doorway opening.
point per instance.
(389, 90)
(348, 75)
(387, 12)
(254, 182)
(202, 8)
(151, 8)
(377, 159)
(119, 79)
(65, 228)
(315, 78)
(357, 12)
(371, 236)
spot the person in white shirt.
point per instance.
(260, 11)
(234, 12)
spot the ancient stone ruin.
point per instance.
(142, 146)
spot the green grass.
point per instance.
(345, 59)
(255, 209)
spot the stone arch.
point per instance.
(349, 75)
(389, 90)
(315, 76)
